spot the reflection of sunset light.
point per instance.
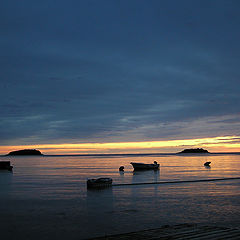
(228, 143)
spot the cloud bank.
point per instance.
(111, 71)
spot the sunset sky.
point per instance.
(119, 76)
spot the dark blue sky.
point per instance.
(106, 71)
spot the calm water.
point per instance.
(46, 197)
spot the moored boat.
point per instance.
(5, 165)
(207, 164)
(99, 183)
(145, 166)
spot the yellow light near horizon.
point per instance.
(226, 142)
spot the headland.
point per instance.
(194, 150)
(25, 152)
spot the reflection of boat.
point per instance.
(144, 166)
(99, 183)
(5, 165)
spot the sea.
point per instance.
(46, 197)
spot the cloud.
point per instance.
(83, 72)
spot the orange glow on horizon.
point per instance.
(228, 143)
(219, 144)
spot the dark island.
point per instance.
(194, 150)
(25, 152)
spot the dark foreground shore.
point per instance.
(181, 231)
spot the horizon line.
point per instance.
(213, 144)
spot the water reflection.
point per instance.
(104, 199)
(146, 176)
(88, 213)
(5, 183)
(121, 173)
(100, 209)
(208, 167)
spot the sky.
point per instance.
(119, 71)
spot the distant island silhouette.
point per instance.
(25, 152)
(194, 150)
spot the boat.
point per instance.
(144, 166)
(99, 183)
(207, 164)
(121, 169)
(5, 165)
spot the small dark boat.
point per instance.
(144, 166)
(121, 168)
(99, 183)
(5, 165)
(207, 164)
